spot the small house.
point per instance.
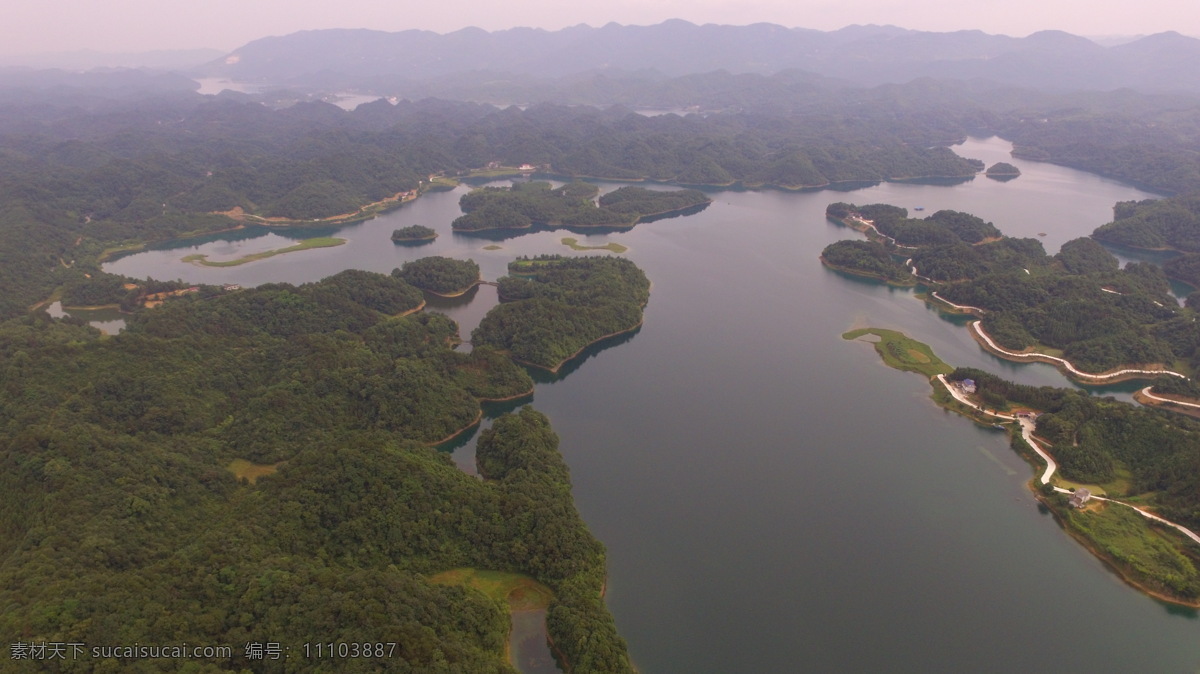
(1079, 497)
(968, 385)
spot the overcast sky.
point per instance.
(139, 25)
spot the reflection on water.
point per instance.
(543, 376)
(107, 320)
(530, 651)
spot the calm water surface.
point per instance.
(773, 498)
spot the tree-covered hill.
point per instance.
(439, 274)
(558, 305)
(121, 521)
(1155, 224)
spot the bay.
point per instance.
(772, 497)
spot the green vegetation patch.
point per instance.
(250, 471)
(414, 233)
(318, 242)
(572, 205)
(612, 246)
(1138, 547)
(644, 203)
(1154, 224)
(547, 318)
(866, 258)
(518, 591)
(441, 275)
(1003, 171)
(902, 352)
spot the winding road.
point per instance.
(1035, 357)
(1146, 392)
(1027, 428)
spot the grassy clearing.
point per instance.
(520, 592)
(573, 244)
(527, 267)
(317, 242)
(242, 468)
(1136, 546)
(443, 182)
(902, 352)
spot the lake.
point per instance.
(774, 498)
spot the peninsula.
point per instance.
(1101, 488)
(548, 317)
(413, 233)
(306, 244)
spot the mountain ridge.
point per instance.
(862, 54)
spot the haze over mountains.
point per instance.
(865, 55)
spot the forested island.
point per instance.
(573, 205)
(440, 275)
(1002, 171)
(413, 233)
(553, 307)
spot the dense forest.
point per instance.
(643, 202)
(572, 205)
(552, 307)
(866, 258)
(413, 233)
(1079, 301)
(1172, 223)
(942, 227)
(442, 275)
(122, 522)
(523, 204)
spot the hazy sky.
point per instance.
(140, 25)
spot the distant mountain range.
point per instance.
(865, 55)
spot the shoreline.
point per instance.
(556, 368)
(1108, 560)
(505, 399)
(1112, 376)
(460, 293)
(868, 275)
(1184, 406)
(412, 311)
(455, 434)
